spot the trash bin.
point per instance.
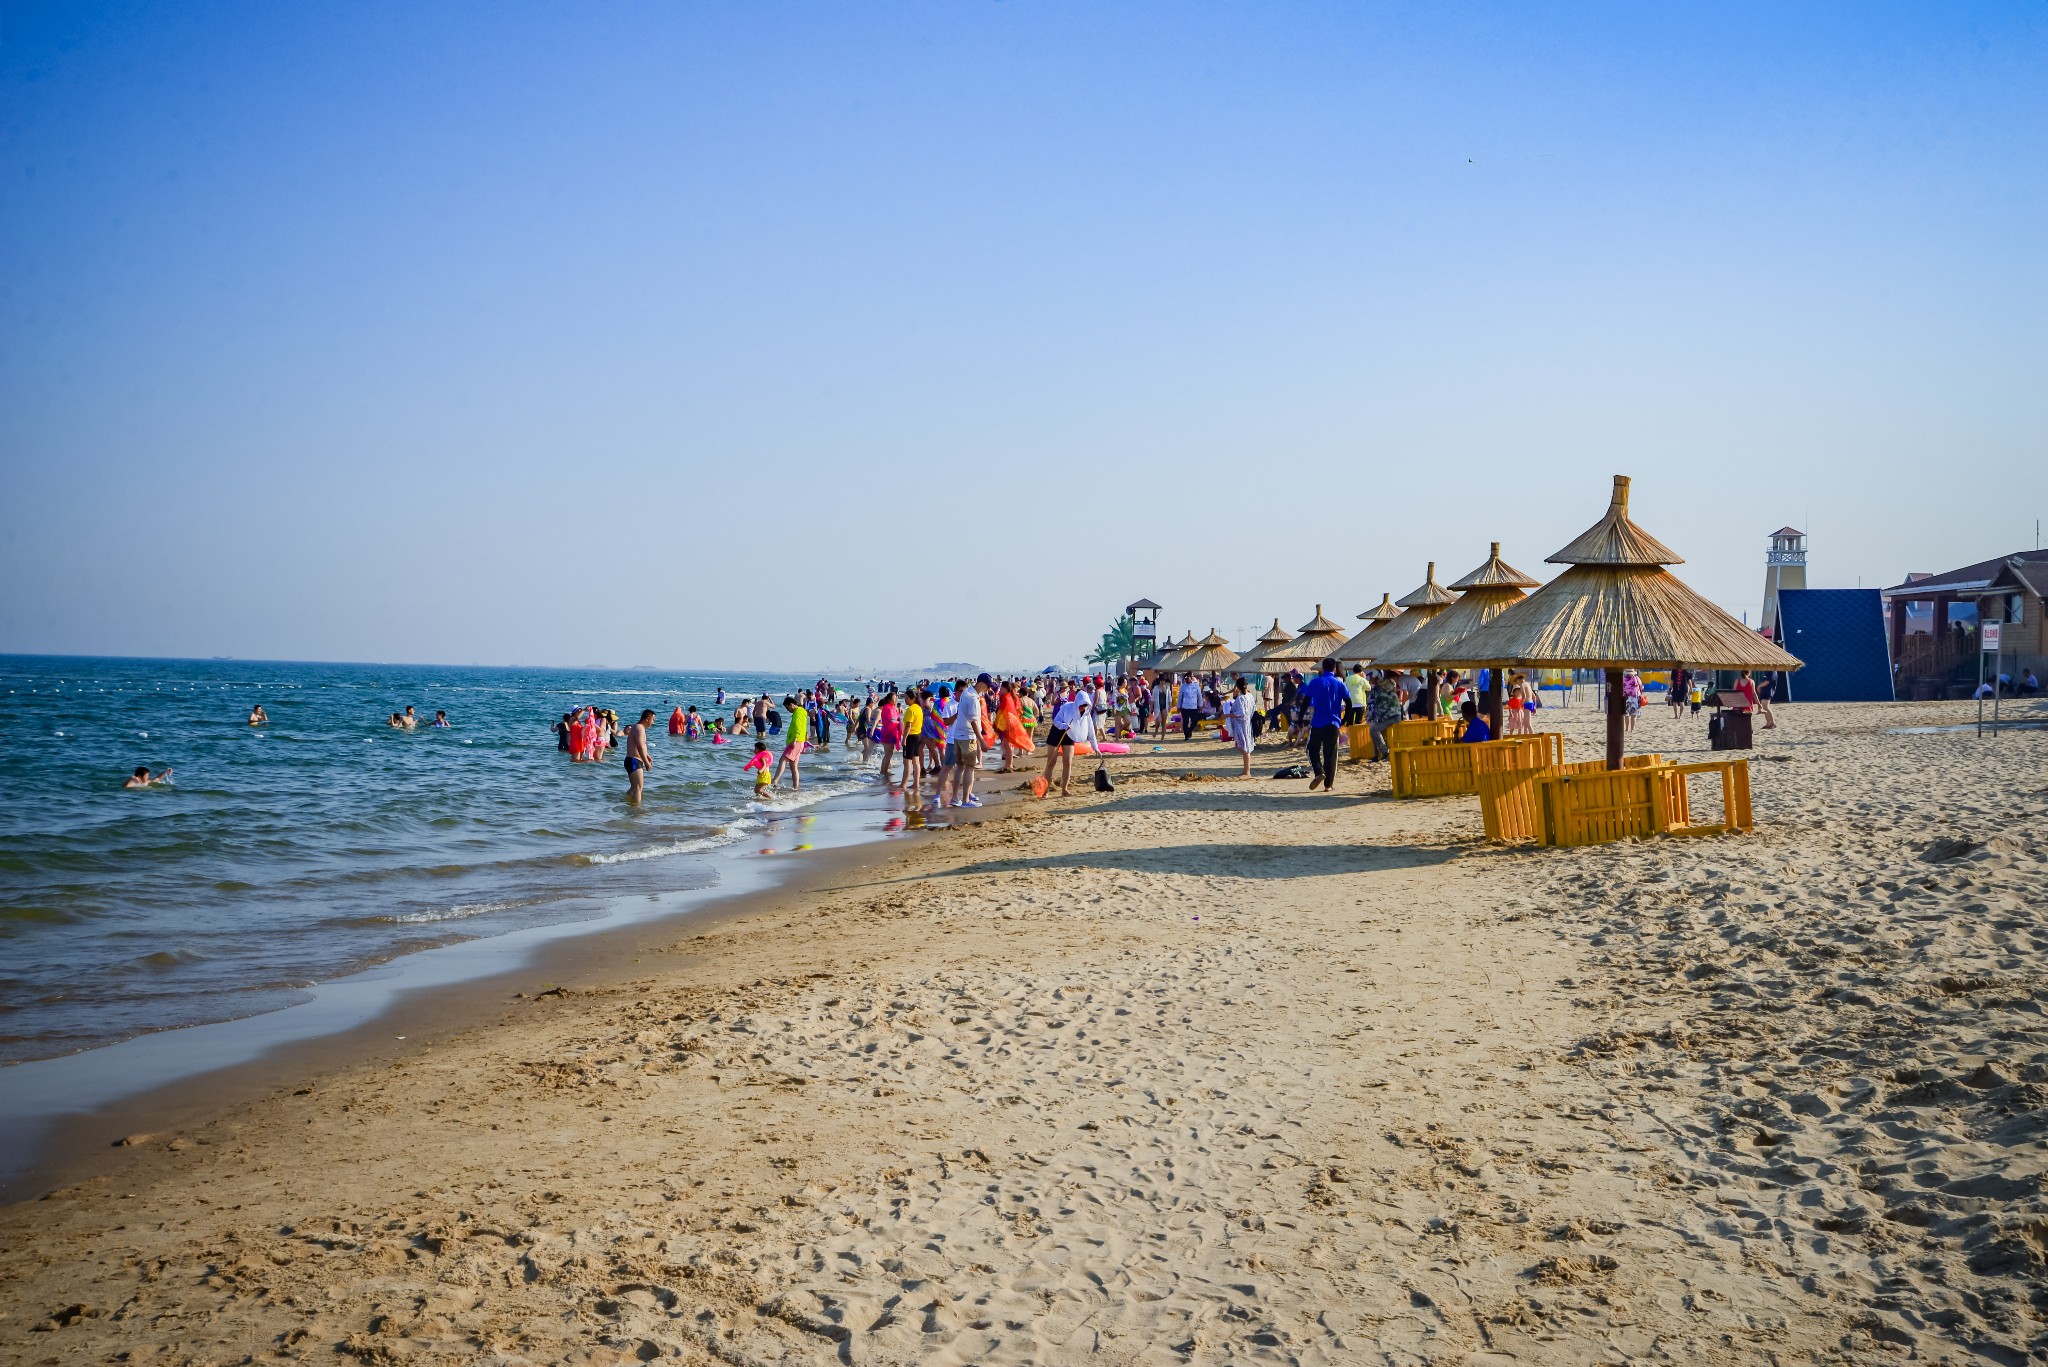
(1730, 727)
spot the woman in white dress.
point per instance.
(1237, 724)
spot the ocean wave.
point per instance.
(616, 692)
(811, 796)
(455, 913)
(724, 835)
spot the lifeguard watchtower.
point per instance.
(1784, 568)
(1144, 615)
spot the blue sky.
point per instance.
(784, 335)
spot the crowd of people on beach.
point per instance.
(930, 740)
(942, 732)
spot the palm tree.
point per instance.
(1120, 642)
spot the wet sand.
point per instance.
(1209, 1071)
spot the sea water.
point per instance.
(326, 842)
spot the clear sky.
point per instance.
(794, 335)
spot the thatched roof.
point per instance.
(1495, 573)
(1609, 614)
(1254, 661)
(1358, 648)
(1430, 594)
(1169, 658)
(1424, 603)
(1210, 654)
(1614, 540)
(1486, 593)
(1385, 612)
(1319, 637)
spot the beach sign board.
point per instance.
(1990, 631)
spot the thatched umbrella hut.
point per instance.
(1168, 660)
(1258, 659)
(1358, 649)
(1617, 607)
(1319, 638)
(1210, 654)
(1483, 595)
(1418, 608)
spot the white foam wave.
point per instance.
(455, 913)
(724, 835)
(616, 692)
(811, 796)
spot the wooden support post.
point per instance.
(1494, 692)
(1615, 712)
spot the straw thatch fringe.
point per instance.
(1255, 661)
(1486, 593)
(1169, 659)
(1615, 616)
(1210, 654)
(1319, 637)
(1391, 635)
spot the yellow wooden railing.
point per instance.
(1455, 767)
(1589, 804)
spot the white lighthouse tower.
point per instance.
(1784, 568)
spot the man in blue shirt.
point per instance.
(1329, 702)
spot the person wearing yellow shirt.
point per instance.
(793, 742)
(913, 747)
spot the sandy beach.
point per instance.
(1210, 1070)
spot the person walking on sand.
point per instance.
(638, 761)
(1752, 700)
(1071, 726)
(1382, 709)
(1190, 706)
(793, 743)
(1237, 724)
(963, 736)
(1329, 702)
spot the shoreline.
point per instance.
(452, 987)
(1203, 1070)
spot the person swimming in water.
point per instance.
(397, 723)
(257, 716)
(440, 719)
(142, 778)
